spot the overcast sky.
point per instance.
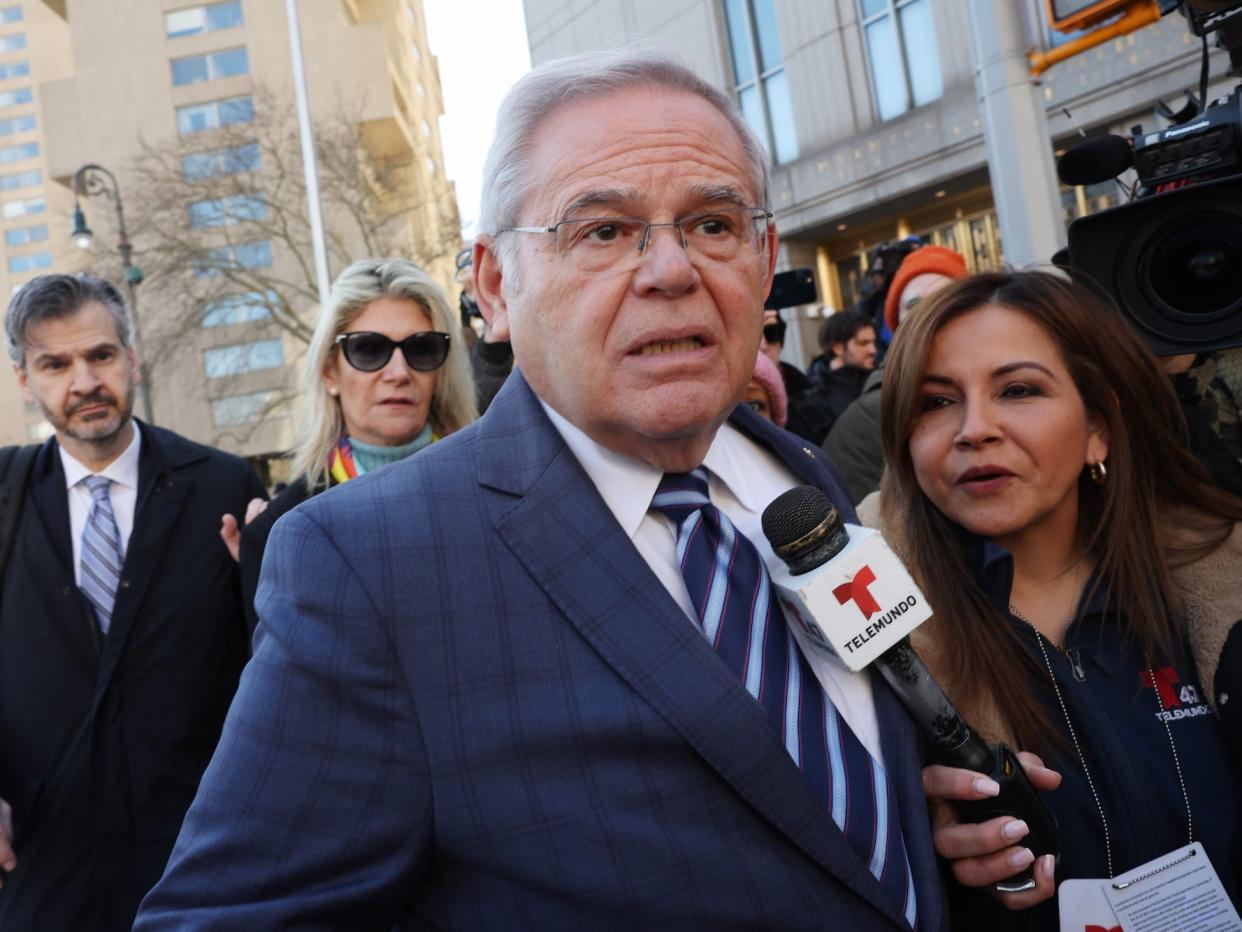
(481, 49)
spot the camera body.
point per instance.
(1172, 257)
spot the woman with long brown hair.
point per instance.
(1041, 494)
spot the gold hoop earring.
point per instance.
(1098, 472)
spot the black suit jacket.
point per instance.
(103, 740)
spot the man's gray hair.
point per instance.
(50, 297)
(542, 90)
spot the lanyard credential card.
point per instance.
(1176, 892)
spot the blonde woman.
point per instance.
(384, 378)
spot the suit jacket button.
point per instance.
(124, 583)
(65, 590)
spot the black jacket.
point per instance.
(254, 541)
(813, 412)
(103, 740)
(1105, 682)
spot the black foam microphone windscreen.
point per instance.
(1096, 159)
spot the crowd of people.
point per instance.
(528, 669)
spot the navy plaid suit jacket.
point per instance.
(472, 705)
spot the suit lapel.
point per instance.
(899, 742)
(161, 494)
(51, 509)
(51, 502)
(563, 533)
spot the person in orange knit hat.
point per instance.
(922, 272)
(854, 441)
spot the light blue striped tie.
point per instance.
(728, 583)
(101, 552)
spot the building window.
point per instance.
(902, 54)
(196, 19)
(23, 236)
(239, 308)
(12, 98)
(224, 361)
(224, 211)
(198, 117)
(14, 69)
(209, 67)
(19, 124)
(30, 263)
(256, 254)
(232, 160)
(19, 152)
(759, 75)
(13, 43)
(21, 180)
(11, 14)
(31, 205)
(240, 409)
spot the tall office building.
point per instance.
(34, 47)
(204, 84)
(870, 111)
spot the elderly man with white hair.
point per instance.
(536, 677)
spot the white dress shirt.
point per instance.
(743, 478)
(123, 471)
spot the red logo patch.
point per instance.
(1166, 685)
(857, 591)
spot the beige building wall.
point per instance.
(34, 45)
(853, 176)
(113, 92)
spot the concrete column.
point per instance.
(1015, 131)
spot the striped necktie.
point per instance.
(740, 616)
(101, 552)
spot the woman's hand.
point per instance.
(230, 532)
(989, 852)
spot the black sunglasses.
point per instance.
(774, 332)
(370, 352)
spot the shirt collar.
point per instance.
(123, 470)
(628, 484)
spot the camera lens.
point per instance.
(1196, 266)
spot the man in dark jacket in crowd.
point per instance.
(848, 341)
(121, 627)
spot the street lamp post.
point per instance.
(95, 179)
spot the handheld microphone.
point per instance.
(852, 597)
(1097, 159)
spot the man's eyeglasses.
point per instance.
(597, 244)
(370, 352)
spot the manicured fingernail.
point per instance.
(1014, 830)
(1047, 864)
(986, 786)
(1021, 858)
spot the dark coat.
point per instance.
(254, 541)
(854, 441)
(103, 740)
(813, 412)
(472, 705)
